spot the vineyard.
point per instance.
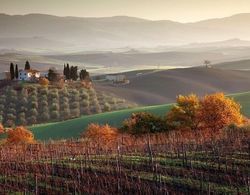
(27, 104)
(152, 164)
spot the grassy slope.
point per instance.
(235, 65)
(73, 128)
(244, 100)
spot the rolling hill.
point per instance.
(119, 31)
(125, 59)
(73, 128)
(162, 86)
(235, 65)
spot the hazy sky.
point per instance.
(178, 10)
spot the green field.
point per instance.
(73, 128)
(244, 100)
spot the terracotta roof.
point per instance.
(30, 71)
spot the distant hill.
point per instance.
(235, 65)
(220, 44)
(163, 86)
(171, 58)
(37, 61)
(36, 44)
(119, 31)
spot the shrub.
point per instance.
(100, 134)
(33, 112)
(54, 114)
(44, 116)
(85, 103)
(19, 135)
(54, 107)
(107, 107)
(32, 120)
(44, 82)
(44, 103)
(65, 114)
(21, 120)
(75, 113)
(142, 123)
(9, 123)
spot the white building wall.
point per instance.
(27, 76)
(116, 78)
(4, 76)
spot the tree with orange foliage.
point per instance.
(43, 81)
(1, 129)
(100, 134)
(184, 114)
(20, 135)
(218, 111)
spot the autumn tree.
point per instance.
(19, 135)
(217, 111)
(43, 81)
(1, 129)
(100, 134)
(185, 113)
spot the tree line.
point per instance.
(14, 70)
(69, 73)
(190, 113)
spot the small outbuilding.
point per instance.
(4, 76)
(116, 78)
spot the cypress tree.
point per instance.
(64, 70)
(12, 71)
(84, 75)
(68, 72)
(27, 65)
(16, 72)
(74, 73)
(71, 72)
